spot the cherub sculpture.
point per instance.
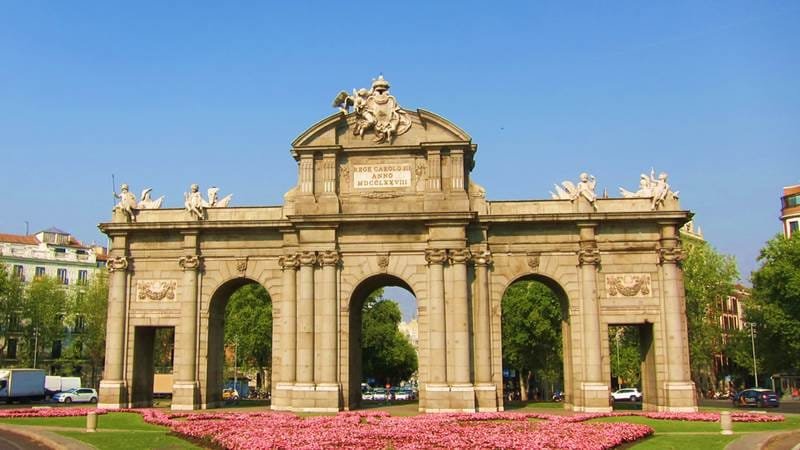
(196, 205)
(656, 189)
(127, 202)
(584, 188)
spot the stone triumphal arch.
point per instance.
(384, 196)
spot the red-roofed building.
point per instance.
(790, 210)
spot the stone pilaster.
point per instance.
(281, 396)
(459, 312)
(305, 320)
(306, 178)
(325, 354)
(113, 391)
(594, 390)
(438, 364)
(485, 390)
(678, 388)
(185, 390)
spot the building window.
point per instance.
(62, 276)
(56, 353)
(60, 252)
(39, 272)
(13, 322)
(792, 201)
(19, 272)
(794, 227)
(83, 275)
(11, 349)
(80, 324)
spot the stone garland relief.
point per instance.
(156, 289)
(637, 285)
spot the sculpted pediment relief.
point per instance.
(338, 130)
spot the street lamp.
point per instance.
(35, 345)
(752, 326)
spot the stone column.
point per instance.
(306, 179)
(437, 343)
(679, 388)
(325, 355)
(434, 170)
(459, 312)
(483, 339)
(289, 264)
(112, 387)
(185, 390)
(305, 320)
(595, 390)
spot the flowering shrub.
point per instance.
(377, 430)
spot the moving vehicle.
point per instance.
(21, 385)
(56, 384)
(623, 394)
(230, 395)
(85, 395)
(756, 397)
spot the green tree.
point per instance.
(625, 355)
(248, 326)
(11, 298)
(709, 277)
(774, 309)
(531, 333)
(386, 354)
(44, 306)
(86, 316)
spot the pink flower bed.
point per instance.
(377, 430)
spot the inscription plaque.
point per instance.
(382, 176)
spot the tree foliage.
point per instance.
(626, 357)
(709, 277)
(43, 309)
(531, 331)
(248, 326)
(87, 317)
(386, 354)
(774, 309)
(11, 295)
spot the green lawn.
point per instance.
(115, 421)
(113, 440)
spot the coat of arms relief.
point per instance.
(375, 110)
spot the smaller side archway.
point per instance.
(354, 372)
(516, 301)
(214, 349)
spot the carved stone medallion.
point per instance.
(156, 289)
(636, 285)
(533, 261)
(383, 261)
(241, 265)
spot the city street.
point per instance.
(787, 407)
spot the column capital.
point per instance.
(190, 262)
(307, 258)
(435, 256)
(670, 255)
(483, 258)
(118, 264)
(459, 256)
(290, 261)
(329, 258)
(588, 254)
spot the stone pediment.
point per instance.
(337, 131)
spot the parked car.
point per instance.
(756, 397)
(403, 394)
(367, 395)
(230, 394)
(88, 395)
(623, 394)
(379, 394)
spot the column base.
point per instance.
(185, 396)
(593, 397)
(306, 397)
(113, 394)
(486, 397)
(679, 397)
(449, 398)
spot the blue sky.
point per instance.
(164, 94)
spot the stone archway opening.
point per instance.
(383, 343)
(632, 364)
(239, 349)
(153, 357)
(536, 350)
